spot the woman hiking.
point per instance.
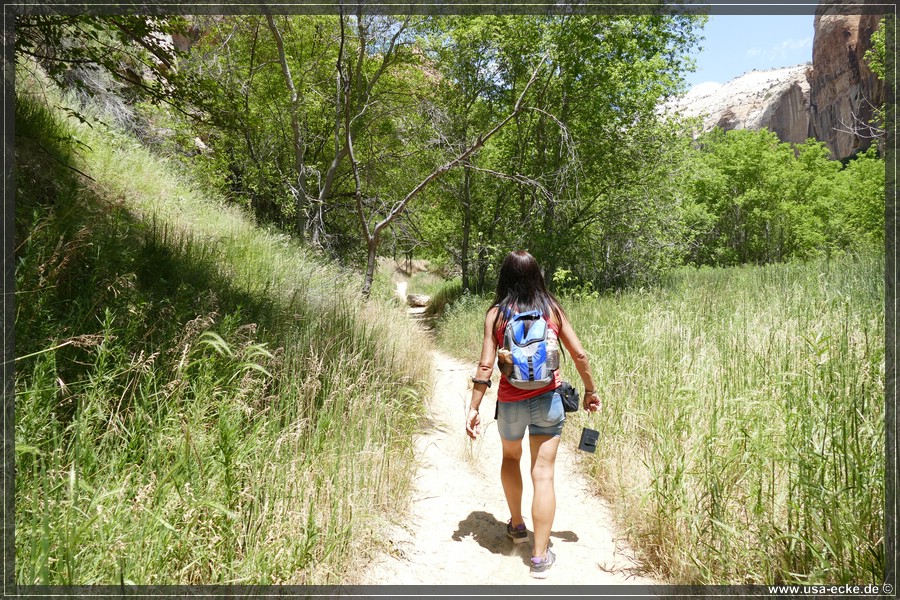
(520, 289)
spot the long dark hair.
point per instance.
(521, 287)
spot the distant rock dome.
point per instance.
(777, 99)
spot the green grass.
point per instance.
(444, 296)
(197, 400)
(426, 283)
(742, 432)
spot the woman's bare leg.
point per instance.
(543, 508)
(511, 477)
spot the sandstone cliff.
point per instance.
(776, 99)
(843, 91)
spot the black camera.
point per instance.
(589, 439)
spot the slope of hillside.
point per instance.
(197, 400)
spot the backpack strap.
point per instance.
(530, 313)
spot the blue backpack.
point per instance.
(534, 349)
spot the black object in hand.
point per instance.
(589, 439)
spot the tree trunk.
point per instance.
(372, 246)
(482, 270)
(467, 226)
(339, 151)
(298, 139)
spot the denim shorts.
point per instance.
(541, 415)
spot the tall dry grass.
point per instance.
(742, 432)
(197, 400)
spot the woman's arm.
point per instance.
(483, 373)
(571, 342)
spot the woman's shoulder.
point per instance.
(492, 312)
(557, 315)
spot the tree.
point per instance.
(465, 50)
(134, 50)
(373, 231)
(311, 88)
(746, 180)
(860, 197)
(753, 199)
(408, 94)
(575, 163)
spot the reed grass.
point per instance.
(742, 431)
(197, 400)
(443, 296)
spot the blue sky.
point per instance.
(736, 44)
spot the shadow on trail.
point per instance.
(490, 533)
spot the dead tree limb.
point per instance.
(372, 233)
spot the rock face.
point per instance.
(776, 99)
(831, 99)
(843, 91)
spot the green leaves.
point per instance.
(753, 199)
(588, 165)
(590, 127)
(875, 56)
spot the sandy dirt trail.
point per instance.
(456, 531)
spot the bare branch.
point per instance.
(516, 177)
(462, 157)
(387, 56)
(296, 130)
(348, 140)
(361, 50)
(861, 128)
(341, 91)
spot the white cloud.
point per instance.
(792, 44)
(785, 50)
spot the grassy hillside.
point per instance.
(197, 400)
(742, 433)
